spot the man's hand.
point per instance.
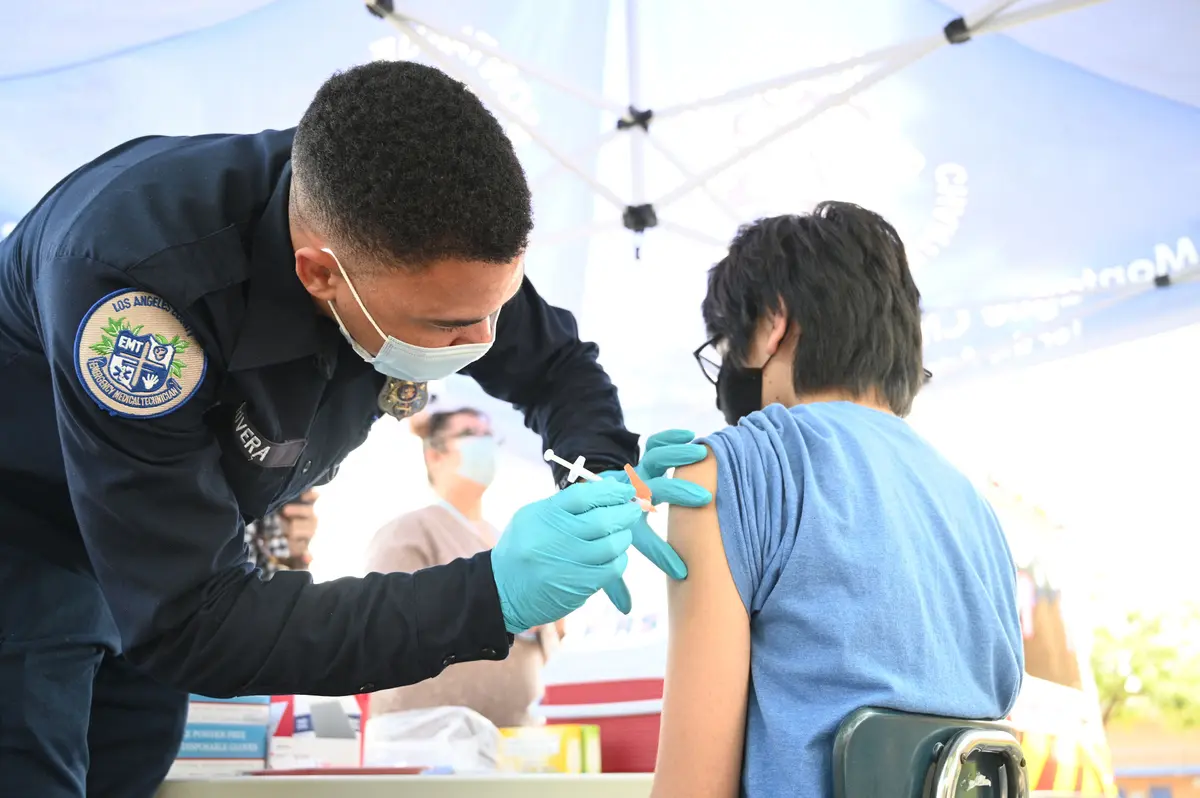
(556, 553)
(299, 521)
(665, 450)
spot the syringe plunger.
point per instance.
(576, 469)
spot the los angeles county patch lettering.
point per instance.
(136, 357)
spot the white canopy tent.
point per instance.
(638, 211)
(661, 229)
(691, 217)
(1042, 172)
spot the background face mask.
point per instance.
(404, 361)
(477, 458)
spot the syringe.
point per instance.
(577, 470)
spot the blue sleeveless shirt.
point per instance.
(874, 574)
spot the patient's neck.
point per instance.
(872, 400)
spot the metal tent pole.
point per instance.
(1032, 14)
(385, 10)
(916, 51)
(989, 18)
(448, 66)
(639, 215)
(637, 142)
(985, 13)
(811, 73)
(661, 148)
(577, 156)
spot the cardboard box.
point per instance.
(223, 737)
(564, 748)
(316, 732)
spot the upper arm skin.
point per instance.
(708, 659)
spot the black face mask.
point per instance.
(739, 392)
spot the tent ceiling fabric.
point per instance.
(1042, 177)
(1154, 51)
(66, 33)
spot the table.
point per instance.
(616, 785)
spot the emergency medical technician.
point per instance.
(194, 331)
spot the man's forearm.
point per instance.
(580, 414)
(288, 635)
(540, 365)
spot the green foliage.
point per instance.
(1149, 666)
(114, 327)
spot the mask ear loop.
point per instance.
(354, 293)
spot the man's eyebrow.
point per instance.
(454, 323)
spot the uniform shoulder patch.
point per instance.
(136, 356)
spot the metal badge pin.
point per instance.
(402, 398)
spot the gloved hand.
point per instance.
(559, 551)
(665, 450)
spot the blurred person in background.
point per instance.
(460, 458)
(279, 541)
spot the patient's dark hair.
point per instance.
(841, 275)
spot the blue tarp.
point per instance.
(1041, 177)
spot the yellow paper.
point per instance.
(566, 748)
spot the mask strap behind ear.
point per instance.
(354, 293)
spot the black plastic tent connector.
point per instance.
(639, 218)
(956, 31)
(636, 118)
(379, 7)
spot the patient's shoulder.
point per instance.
(758, 451)
(703, 473)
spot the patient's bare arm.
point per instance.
(708, 660)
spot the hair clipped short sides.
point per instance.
(404, 165)
(841, 274)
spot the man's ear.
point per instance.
(318, 272)
(777, 329)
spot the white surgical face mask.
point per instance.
(405, 361)
(477, 458)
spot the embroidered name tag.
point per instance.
(259, 449)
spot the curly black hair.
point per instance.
(403, 164)
(841, 274)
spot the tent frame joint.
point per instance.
(957, 31)
(636, 117)
(639, 218)
(380, 8)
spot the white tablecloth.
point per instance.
(515, 786)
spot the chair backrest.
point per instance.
(881, 753)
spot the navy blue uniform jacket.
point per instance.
(154, 341)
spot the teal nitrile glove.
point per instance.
(664, 450)
(558, 552)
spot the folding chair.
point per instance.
(881, 753)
